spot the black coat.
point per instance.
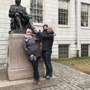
(47, 41)
(31, 47)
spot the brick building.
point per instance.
(68, 18)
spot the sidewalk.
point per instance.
(69, 79)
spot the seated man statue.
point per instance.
(20, 20)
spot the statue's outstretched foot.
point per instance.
(20, 28)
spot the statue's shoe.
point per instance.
(20, 28)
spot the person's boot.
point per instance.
(38, 81)
(48, 77)
(35, 80)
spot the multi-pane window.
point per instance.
(84, 50)
(63, 12)
(36, 10)
(63, 51)
(84, 15)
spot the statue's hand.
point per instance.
(31, 55)
(20, 12)
(36, 30)
(16, 14)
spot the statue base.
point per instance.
(17, 32)
(25, 84)
(19, 67)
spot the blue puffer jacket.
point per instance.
(31, 47)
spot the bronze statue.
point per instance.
(20, 19)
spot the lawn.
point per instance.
(81, 64)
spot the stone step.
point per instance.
(26, 84)
(23, 73)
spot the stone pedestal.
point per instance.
(26, 84)
(19, 67)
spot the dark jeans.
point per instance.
(47, 60)
(35, 67)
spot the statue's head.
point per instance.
(18, 2)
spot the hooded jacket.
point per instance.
(31, 47)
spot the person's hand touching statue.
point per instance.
(31, 55)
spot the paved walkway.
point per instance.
(69, 79)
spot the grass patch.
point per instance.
(81, 64)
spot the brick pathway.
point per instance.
(69, 79)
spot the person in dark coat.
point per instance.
(47, 42)
(45, 26)
(30, 46)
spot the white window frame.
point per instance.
(40, 24)
(88, 27)
(68, 25)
